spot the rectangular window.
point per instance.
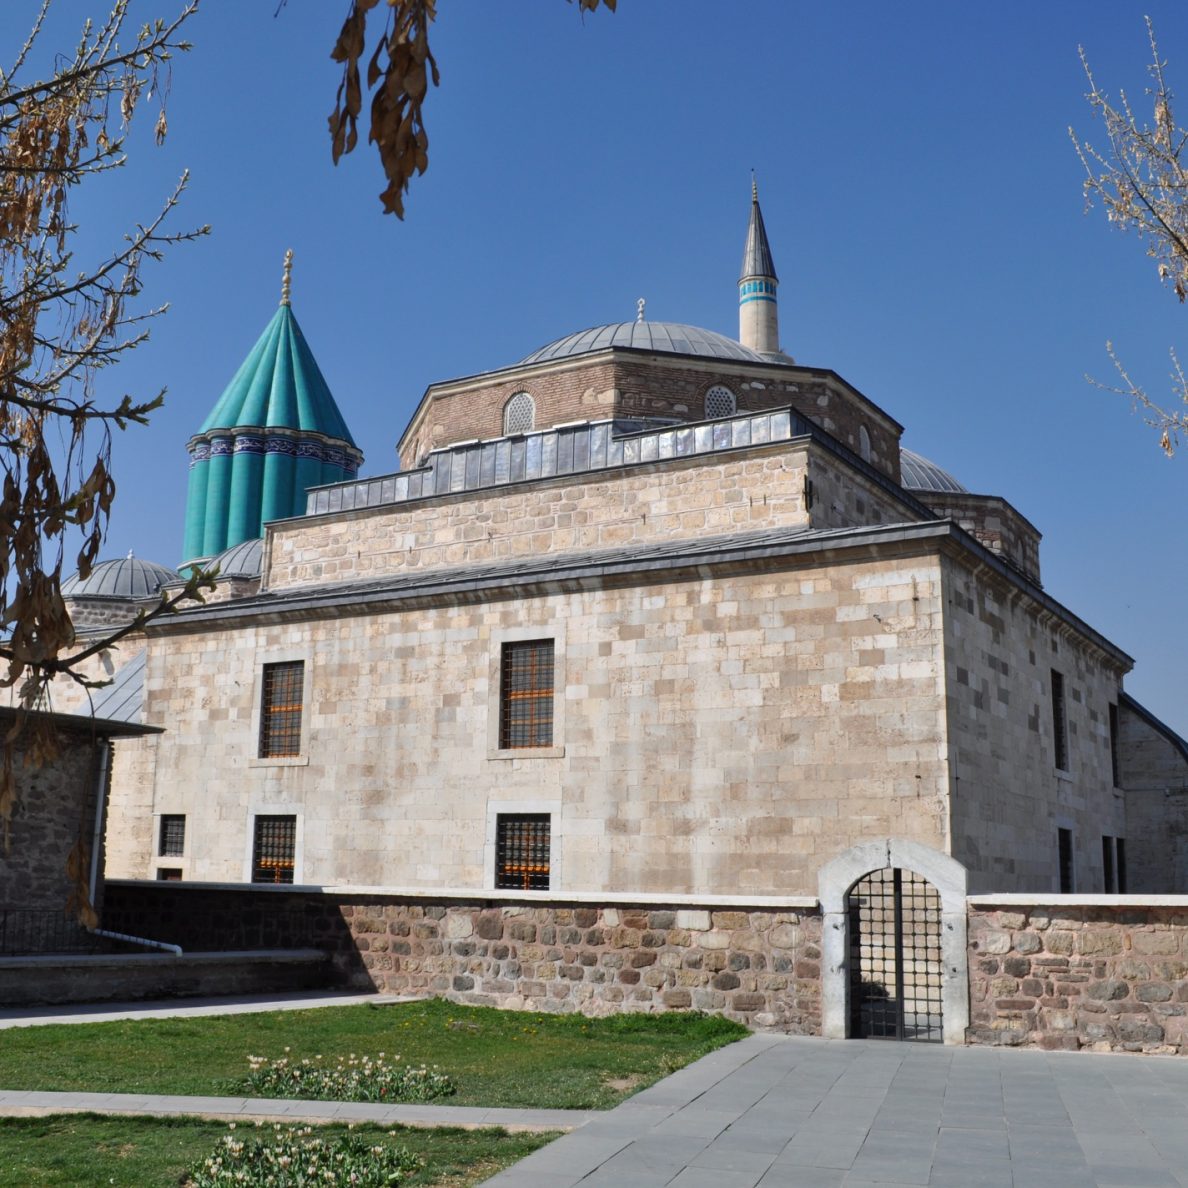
(526, 694)
(1107, 864)
(1065, 843)
(1120, 863)
(522, 851)
(280, 709)
(1114, 744)
(173, 835)
(274, 849)
(1059, 723)
(168, 875)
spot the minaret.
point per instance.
(275, 431)
(758, 314)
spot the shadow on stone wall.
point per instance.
(760, 966)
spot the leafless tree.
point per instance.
(63, 324)
(1140, 178)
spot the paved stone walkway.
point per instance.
(776, 1111)
(16, 1103)
(180, 1008)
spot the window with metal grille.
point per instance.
(1114, 744)
(274, 849)
(719, 403)
(526, 694)
(519, 414)
(1064, 842)
(1059, 722)
(522, 851)
(280, 709)
(173, 835)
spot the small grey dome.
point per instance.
(672, 337)
(241, 561)
(129, 577)
(918, 474)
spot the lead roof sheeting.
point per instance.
(574, 450)
(123, 699)
(127, 577)
(665, 337)
(919, 474)
(241, 560)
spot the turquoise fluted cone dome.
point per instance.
(274, 432)
(279, 385)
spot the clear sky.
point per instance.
(919, 188)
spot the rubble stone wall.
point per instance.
(758, 965)
(1108, 977)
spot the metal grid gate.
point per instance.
(895, 957)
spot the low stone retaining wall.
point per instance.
(760, 965)
(1107, 976)
(31, 981)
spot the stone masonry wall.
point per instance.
(762, 487)
(710, 737)
(1009, 798)
(1102, 977)
(761, 966)
(55, 807)
(632, 385)
(1154, 772)
(992, 522)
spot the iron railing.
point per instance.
(31, 932)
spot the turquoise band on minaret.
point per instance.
(758, 313)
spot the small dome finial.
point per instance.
(639, 309)
(754, 188)
(129, 554)
(287, 279)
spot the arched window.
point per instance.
(864, 443)
(719, 403)
(519, 414)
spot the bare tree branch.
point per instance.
(60, 327)
(1141, 181)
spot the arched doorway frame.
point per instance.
(949, 878)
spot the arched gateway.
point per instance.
(894, 956)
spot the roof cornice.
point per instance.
(769, 550)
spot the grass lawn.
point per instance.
(93, 1151)
(496, 1058)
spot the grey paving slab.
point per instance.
(704, 1177)
(802, 1177)
(777, 1111)
(723, 1156)
(834, 1113)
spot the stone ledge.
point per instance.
(1052, 899)
(489, 895)
(59, 961)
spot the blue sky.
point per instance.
(921, 195)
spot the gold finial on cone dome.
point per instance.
(287, 279)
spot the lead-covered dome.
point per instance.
(917, 473)
(239, 561)
(671, 337)
(129, 577)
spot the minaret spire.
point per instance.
(758, 315)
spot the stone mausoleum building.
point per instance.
(650, 614)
